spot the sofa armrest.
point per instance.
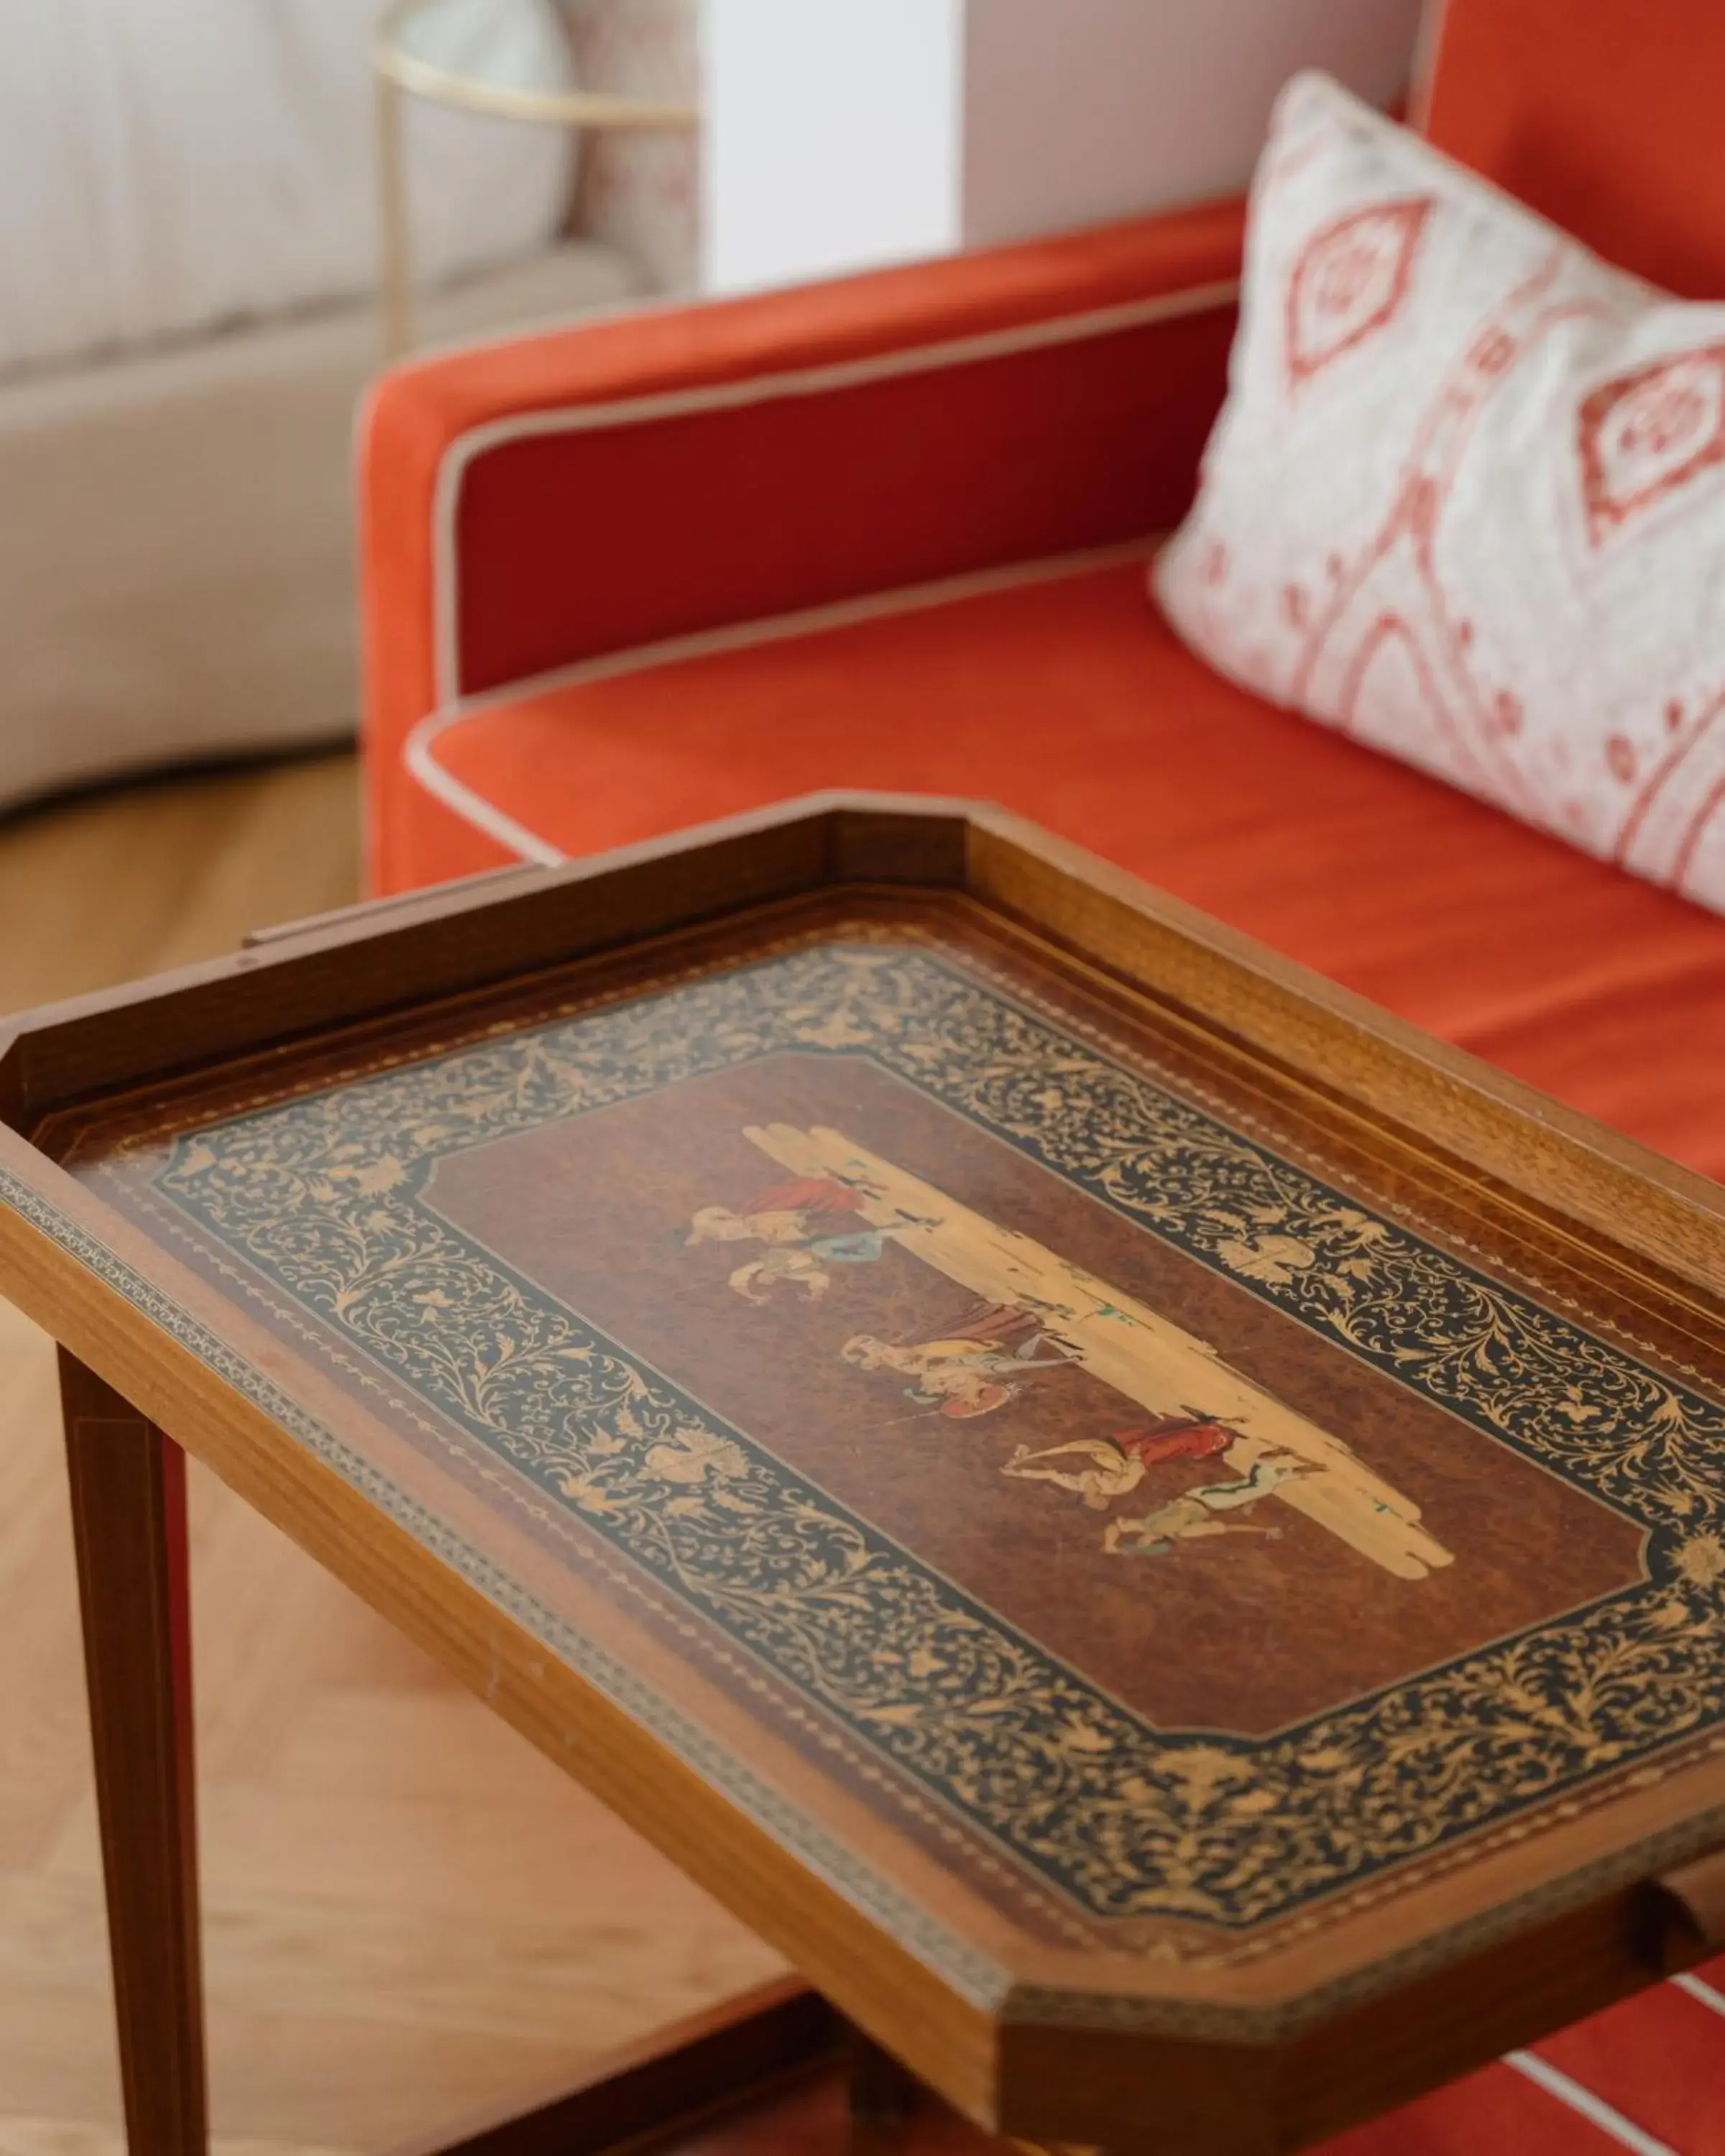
(535, 503)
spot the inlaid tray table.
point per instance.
(1160, 1533)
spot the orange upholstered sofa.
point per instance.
(890, 532)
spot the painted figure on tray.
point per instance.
(808, 1224)
(1198, 1515)
(1038, 1309)
(970, 1367)
(1100, 1469)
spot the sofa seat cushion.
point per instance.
(1062, 699)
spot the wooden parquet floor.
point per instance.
(409, 1915)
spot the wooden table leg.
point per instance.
(880, 2097)
(128, 1522)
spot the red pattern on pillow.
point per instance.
(1466, 501)
(1648, 432)
(1350, 279)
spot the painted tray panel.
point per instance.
(1172, 1536)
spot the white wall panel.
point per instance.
(833, 138)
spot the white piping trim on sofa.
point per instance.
(1708, 1995)
(418, 752)
(753, 389)
(1595, 2109)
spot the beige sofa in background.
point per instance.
(176, 531)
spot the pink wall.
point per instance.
(1079, 109)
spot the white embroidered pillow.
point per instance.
(1466, 498)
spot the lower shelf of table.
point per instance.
(810, 2115)
(776, 2072)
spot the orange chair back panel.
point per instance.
(1606, 115)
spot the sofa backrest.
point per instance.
(1607, 115)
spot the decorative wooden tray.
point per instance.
(1162, 1533)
